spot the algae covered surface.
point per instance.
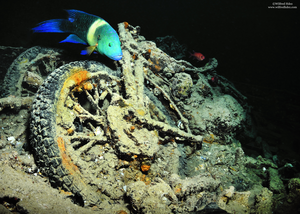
(150, 134)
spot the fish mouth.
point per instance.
(117, 57)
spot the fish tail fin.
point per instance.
(53, 26)
(191, 54)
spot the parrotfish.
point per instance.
(197, 55)
(85, 29)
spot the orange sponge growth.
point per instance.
(79, 77)
(66, 160)
(209, 139)
(145, 168)
(88, 86)
(132, 128)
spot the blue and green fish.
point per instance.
(86, 29)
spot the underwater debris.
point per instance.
(126, 122)
(143, 197)
(181, 85)
(294, 190)
(31, 67)
(125, 141)
(276, 185)
(132, 131)
(32, 80)
(15, 103)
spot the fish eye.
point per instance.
(109, 44)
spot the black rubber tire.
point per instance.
(48, 154)
(43, 59)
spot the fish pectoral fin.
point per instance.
(73, 39)
(89, 50)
